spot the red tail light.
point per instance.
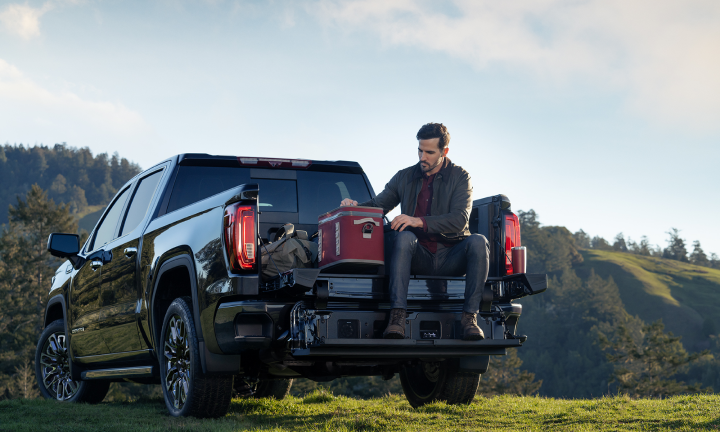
(240, 238)
(512, 239)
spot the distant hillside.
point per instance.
(685, 296)
(593, 291)
(69, 175)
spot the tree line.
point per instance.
(69, 175)
(676, 248)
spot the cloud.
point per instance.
(664, 55)
(55, 116)
(23, 20)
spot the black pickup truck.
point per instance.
(167, 289)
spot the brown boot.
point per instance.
(396, 326)
(471, 331)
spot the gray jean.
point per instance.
(470, 257)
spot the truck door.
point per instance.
(120, 288)
(85, 302)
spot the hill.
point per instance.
(322, 411)
(685, 296)
(73, 176)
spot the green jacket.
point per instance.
(451, 203)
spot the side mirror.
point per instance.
(63, 245)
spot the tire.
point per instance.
(275, 388)
(52, 370)
(439, 381)
(187, 392)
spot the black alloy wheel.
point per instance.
(427, 382)
(55, 368)
(52, 370)
(186, 390)
(177, 355)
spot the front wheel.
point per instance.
(187, 392)
(427, 382)
(52, 370)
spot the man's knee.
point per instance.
(478, 243)
(405, 240)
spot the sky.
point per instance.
(601, 115)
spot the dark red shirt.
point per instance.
(422, 209)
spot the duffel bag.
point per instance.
(291, 250)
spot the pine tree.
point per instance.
(698, 256)
(505, 377)
(676, 247)
(645, 365)
(600, 243)
(714, 261)
(619, 244)
(644, 246)
(26, 270)
(582, 240)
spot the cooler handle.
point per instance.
(366, 220)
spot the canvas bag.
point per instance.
(292, 250)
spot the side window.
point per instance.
(106, 230)
(141, 202)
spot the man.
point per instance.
(431, 236)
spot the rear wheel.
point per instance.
(187, 392)
(52, 370)
(276, 388)
(438, 381)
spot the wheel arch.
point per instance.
(175, 278)
(54, 310)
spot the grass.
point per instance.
(684, 295)
(322, 411)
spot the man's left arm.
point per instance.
(460, 205)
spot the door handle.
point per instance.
(96, 264)
(130, 252)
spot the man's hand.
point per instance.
(403, 221)
(348, 202)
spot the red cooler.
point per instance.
(351, 240)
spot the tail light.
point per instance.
(512, 239)
(240, 238)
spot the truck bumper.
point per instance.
(358, 334)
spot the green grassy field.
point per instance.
(682, 294)
(322, 411)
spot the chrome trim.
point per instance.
(136, 372)
(113, 356)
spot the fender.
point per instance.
(58, 298)
(183, 260)
(75, 371)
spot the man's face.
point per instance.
(429, 154)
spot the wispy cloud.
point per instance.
(23, 20)
(62, 115)
(663, 54)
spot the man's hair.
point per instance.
(435, 130)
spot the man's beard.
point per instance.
(428, 169)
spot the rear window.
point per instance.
(318, 192)
(321, 192)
